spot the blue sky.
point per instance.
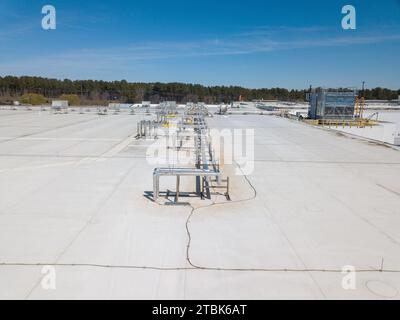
(290, 44)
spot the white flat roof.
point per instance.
(72, 195)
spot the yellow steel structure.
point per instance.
(359, 123)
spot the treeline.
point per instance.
(99, 92)
(381, 94)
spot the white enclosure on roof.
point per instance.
(59, 104)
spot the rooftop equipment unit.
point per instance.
(332, 104)
(146, 104)
(59, 105)
(117, 107)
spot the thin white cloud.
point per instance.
(276, 30)
(116, 57)
(165, 50)
(18, 30)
